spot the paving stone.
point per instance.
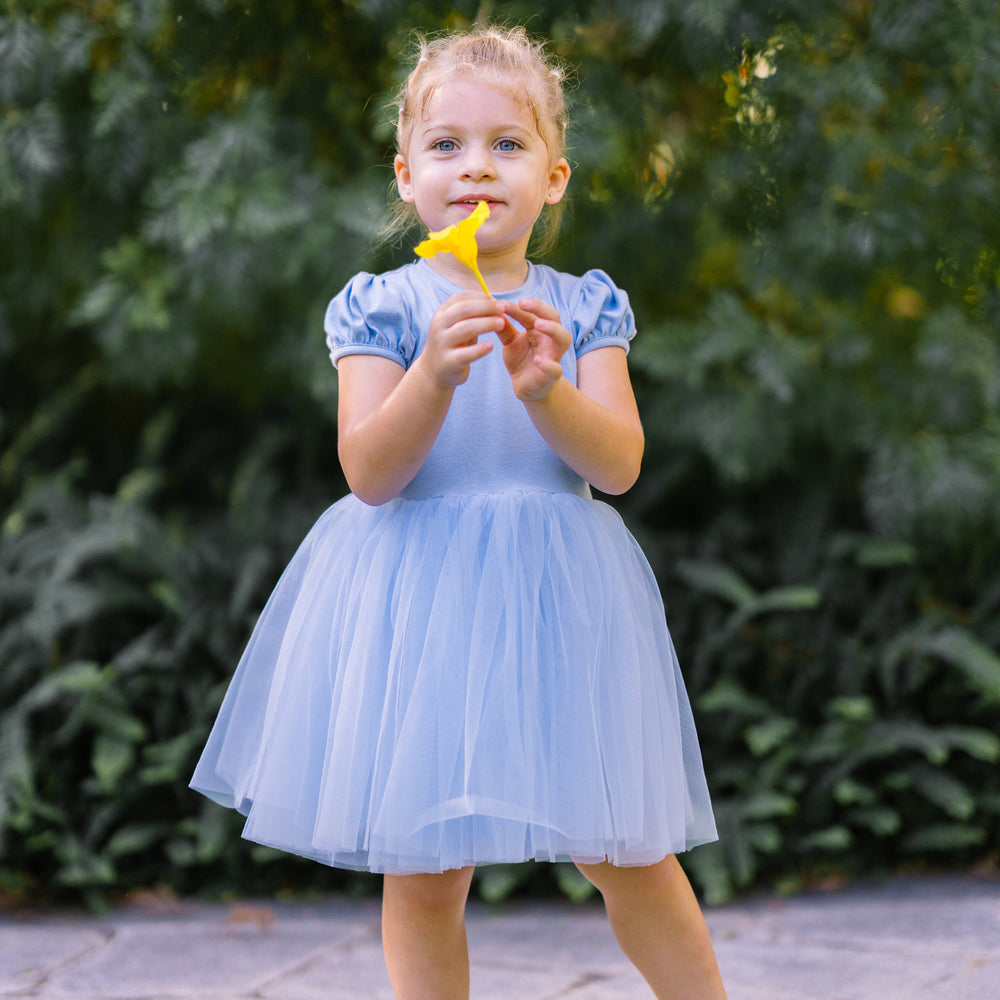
(355, 969)
(837, 973)
(28, 954)
(524, 936)
(981, 981)
(920, 939)
(190, 960)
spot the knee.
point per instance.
(608, 878)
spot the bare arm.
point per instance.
(388, 417)
(385, 427)
(594, 426)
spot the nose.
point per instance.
(478, 163)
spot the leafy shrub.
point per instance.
(801, 201)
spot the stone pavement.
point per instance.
(909, 939)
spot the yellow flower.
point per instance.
(459, 240)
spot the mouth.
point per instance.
(473, 200)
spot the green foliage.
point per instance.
(854, 733)
(115, 630)
(801, 201)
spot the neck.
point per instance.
(504, 276)
(501, 274)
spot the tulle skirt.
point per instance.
(462, 680)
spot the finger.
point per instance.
(469, 330)
(466, 305)
(547, 337)
(552, 369)
(511, 309)
(508, 333)
(540, 309)
(546, 320)
(472, 352)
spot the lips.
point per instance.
(474, 199)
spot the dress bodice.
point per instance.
(488, 443)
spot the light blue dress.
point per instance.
(478, 670)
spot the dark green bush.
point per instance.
(802, 202)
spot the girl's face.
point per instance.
(476, 144)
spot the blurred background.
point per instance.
(803, 202)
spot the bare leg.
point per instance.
(657, 921)
(423, 935)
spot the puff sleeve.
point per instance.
(602, 316)
(370, 316)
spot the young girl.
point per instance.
(467, 662)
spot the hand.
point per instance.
(532, 350)
(453, 339)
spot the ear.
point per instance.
(404, 183)
(558, 181)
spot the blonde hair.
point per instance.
(505, 58)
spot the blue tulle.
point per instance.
(458, 680)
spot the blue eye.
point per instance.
(508, 145)
(446, 145)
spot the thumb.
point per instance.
(508, 333)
